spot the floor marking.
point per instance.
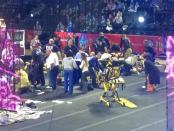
(61, 117)
(75, 113)
(82, 111)
(47, 121)
(149, 125)
(122, 115)
(92, 94)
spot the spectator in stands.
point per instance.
(109, 27)
(70, 26)
(68, 64)
(121, 5)
(38, 28)
(35, 43)
(60, 27)
(103, 23)
(70, 47)
(118, 21)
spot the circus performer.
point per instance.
(8, 55)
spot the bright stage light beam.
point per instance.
(141, 19)
(31, 15)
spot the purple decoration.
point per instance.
(170, 58)
(8, 100)
(170, 82)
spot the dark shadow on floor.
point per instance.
(100, 110)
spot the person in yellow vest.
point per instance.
(22, 82)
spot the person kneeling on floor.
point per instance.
(22, 82)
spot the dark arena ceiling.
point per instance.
(23, 14)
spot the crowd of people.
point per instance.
(105, 15)
(77, 66)
(90, 16)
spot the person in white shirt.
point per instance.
(69, 64)
(78, 55)
(52, 63)
(85, 73)
(8, 55)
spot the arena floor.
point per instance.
(86, 113)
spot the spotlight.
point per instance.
(31, 15)
(141, 19)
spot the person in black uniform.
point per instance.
(38, 57)
(70, 47)
(124, 43)
(101, 44)
(150, 70)
(57, 47)
(105, 41)
(76, 40)
(148, 48)
(94, 66)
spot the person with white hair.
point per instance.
(51, 46)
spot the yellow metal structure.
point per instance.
(110, 82)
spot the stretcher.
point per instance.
(110, 82)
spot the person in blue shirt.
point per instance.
(94, 66)
(39, 58)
